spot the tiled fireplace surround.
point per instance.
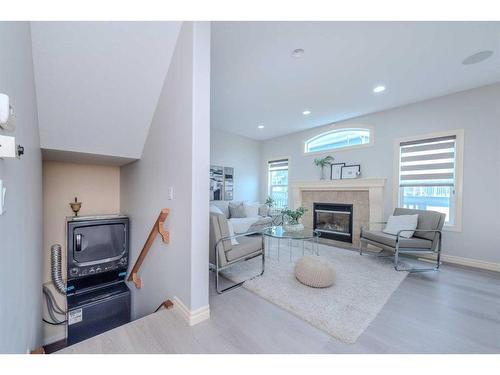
(365, 194)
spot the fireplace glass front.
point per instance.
(334, 221)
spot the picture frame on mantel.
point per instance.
(336, 171)
(351, 171)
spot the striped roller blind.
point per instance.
(278, 165)
(428, 162)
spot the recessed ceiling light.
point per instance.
(296, 53)
(261, 126)
(378, 89)
(306, 112)
(477, 57)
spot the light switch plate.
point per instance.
(7, 146)
(170, 193)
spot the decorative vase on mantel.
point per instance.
(322, 173)
(322, 163)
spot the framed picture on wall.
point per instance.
(351, 171)
(216, 182)
(336, 171)
(228, 183)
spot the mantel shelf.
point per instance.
(364, 183)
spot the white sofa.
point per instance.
(245, 224)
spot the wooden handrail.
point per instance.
(165, 236)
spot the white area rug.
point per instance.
(363, 285)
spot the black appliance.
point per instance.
(97, 251)
(97, 258)
(97, 311)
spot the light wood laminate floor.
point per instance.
(455, 310)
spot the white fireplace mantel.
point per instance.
(374, 185)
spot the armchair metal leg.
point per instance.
(237, 285)
(221, 291)
(414, 270)
(261, 252)
(438, 260)
(370, 253)
(217, 271)
(411, 270)
(396, 257)
(263, 265)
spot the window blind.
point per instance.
(278, 165)
(428, 162)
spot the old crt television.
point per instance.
(97, 251)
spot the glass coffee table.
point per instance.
(306, 235)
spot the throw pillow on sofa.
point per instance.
(237, 210)
(263, 210)
(400, 222)
(251, 209)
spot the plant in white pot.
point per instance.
(324, 162)
(292, 219)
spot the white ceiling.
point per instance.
(98, 83)
(256, 81)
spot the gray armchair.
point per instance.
(224, 255)
(425, 240)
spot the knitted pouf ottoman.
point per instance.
(315, 272)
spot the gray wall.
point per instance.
(241, 153)
(176, 154)
(21, 226)
(476, 111)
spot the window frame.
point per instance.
(334, 128)
(459, 164)
(268, 174)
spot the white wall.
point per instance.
(241, 153)
(176, 154)
(476, 111)
(21, 226)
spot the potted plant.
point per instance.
(269, 202)
(323, 162)
(292, 219)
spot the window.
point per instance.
(430, 175)
(278, 182)
(338, 139)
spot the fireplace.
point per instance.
(333, 221)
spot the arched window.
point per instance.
(339, 139)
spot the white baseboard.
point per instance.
(469, 262)
(191, 317)
(482, 264)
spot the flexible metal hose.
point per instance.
(56, 308)
(55, 268)
(51, 307)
